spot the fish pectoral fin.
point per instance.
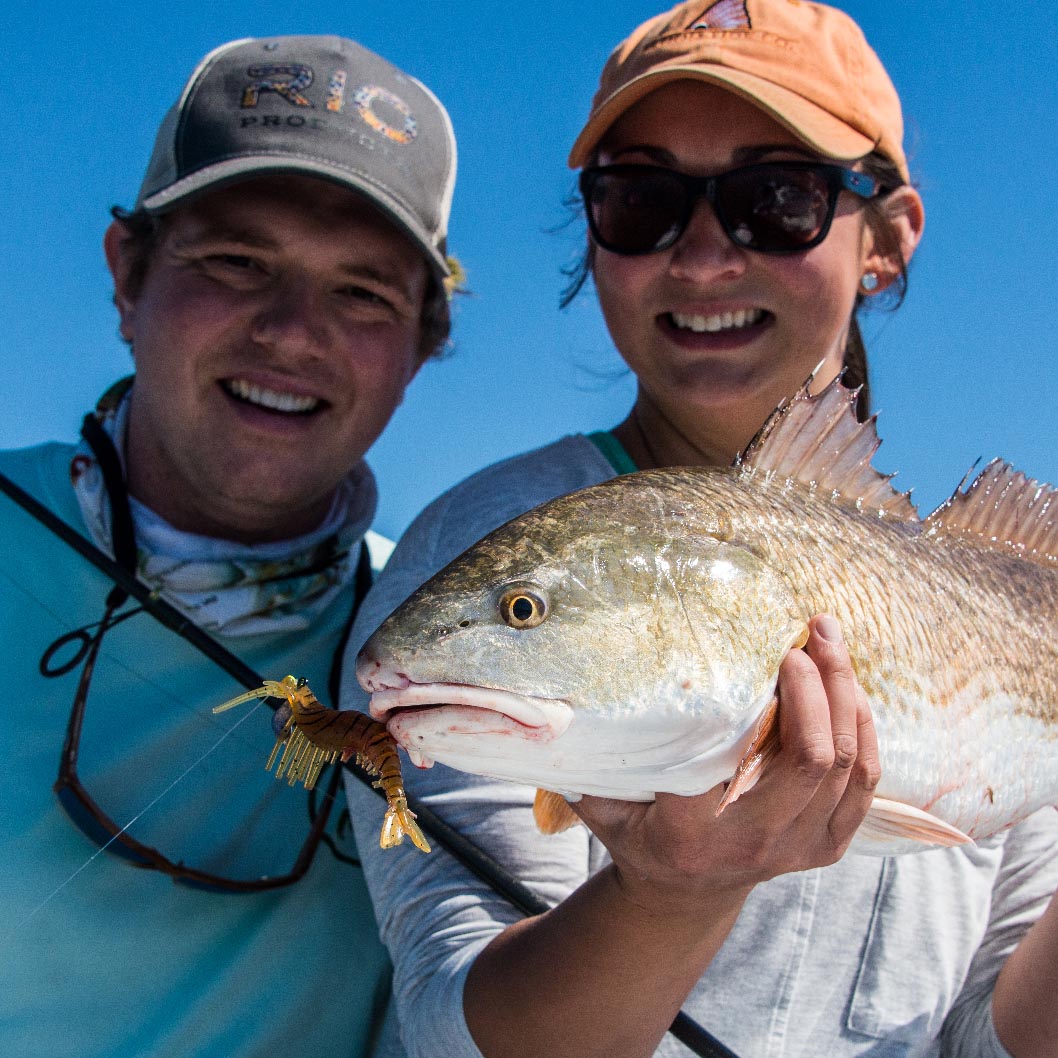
(552, 812)
(761, 752)
(887, 819)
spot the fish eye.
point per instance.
(521, 608)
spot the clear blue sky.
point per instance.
(967, 368)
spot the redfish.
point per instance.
(625, 639)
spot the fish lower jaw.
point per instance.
(437, 732)
(418, 715)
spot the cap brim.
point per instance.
(233, 170)
(815, 127)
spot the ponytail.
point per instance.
(855, 370)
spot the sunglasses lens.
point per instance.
(634, 213)
(775, 208)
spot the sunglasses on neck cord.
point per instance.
(771, 207)
(264, 865)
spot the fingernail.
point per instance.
(828, 628)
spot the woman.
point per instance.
(745, 188)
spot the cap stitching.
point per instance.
(727, 36)
(190, 91)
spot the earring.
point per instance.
(869, 282)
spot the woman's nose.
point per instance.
(705, 250)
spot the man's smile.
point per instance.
(271, 399)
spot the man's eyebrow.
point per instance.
(235, 235)
(367, 270)
(658, 154)
(227, 233)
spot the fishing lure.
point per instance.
(312, 736)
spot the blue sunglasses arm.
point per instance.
(858, 183)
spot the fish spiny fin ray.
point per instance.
(818, 442)
(1003, 508)
(552, 812)
(887, 819)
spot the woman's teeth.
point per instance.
(722, 321)
(270, 398)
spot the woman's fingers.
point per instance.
(829, 744)
(865, 776)
(856, 771)
(817, 718)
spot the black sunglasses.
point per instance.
(773, 207)
(96, 824)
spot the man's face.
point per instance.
(273, 336)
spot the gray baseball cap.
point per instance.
(320, 106)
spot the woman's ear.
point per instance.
(116, 246)
(905, 217)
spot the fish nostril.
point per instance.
(464, 624)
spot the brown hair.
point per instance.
(856, 374)
(145, 232)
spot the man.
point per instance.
(280, 280)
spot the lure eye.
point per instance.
(521, 608)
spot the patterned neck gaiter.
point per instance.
(225, 587)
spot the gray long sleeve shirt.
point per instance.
(880, 957)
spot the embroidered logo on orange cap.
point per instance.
(724, 14)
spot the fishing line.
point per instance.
(139, 815)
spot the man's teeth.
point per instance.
(722, 321)
(270, 398)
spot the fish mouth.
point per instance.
(409, 712)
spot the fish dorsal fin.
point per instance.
(818, 442)
(1003, 508)
(552, 812)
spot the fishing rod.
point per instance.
(684, 1028)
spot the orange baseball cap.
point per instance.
(806, 65)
